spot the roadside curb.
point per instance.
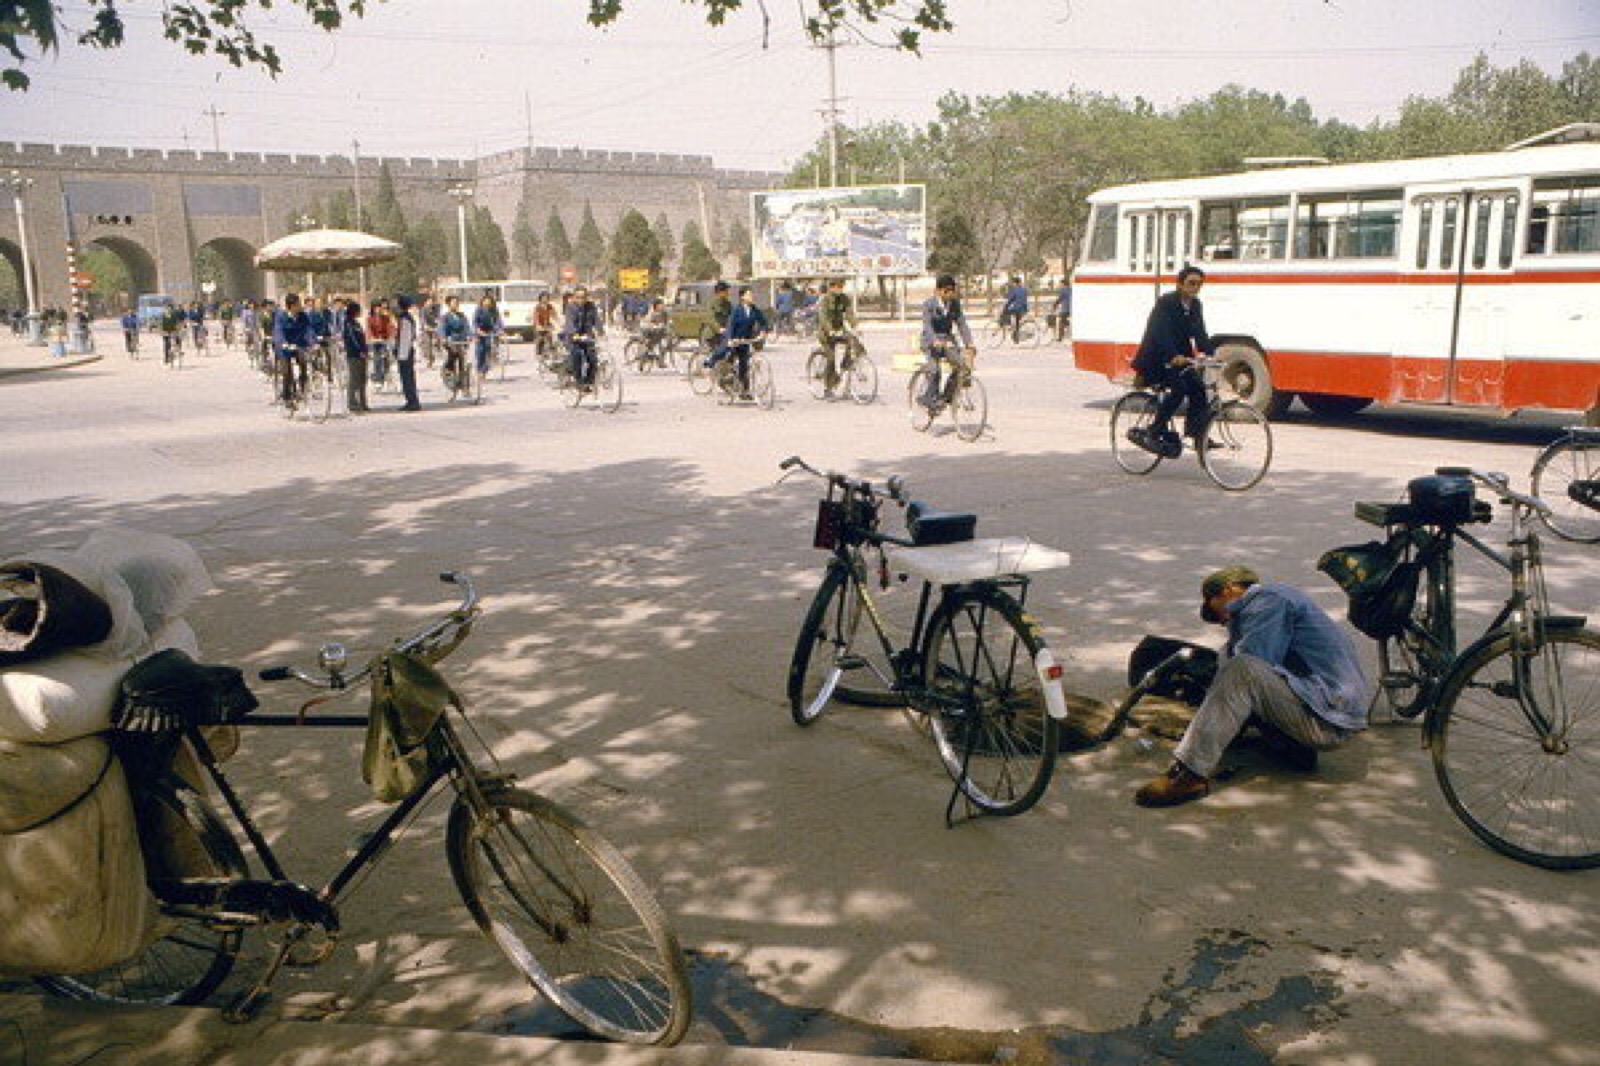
(54, 364)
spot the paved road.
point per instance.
(644, 577)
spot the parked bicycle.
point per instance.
(550, 892)
(1566, 476)
(1504, 716)
(1235, 451)
(975, 668)
(857, 375)
(724, 377)
(961, 394)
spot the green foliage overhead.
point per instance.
(664, 239)
(429, 244)
(698, 263)
(489, 258)
(589, 251)
(634, 245)
(557, 245)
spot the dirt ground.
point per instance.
(644, 576)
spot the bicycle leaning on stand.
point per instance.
(1504, 717)
(1235, 450)
(554, 896)
(975, 670)
(1566, 476)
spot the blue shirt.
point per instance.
(1016, 299)
(746, 322)
(1282, 627)
(292, 330)
(453, 326)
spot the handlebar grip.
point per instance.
(275, 673)
(1453, 471)
(449, 577)
(789, 463)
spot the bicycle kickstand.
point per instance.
(251, 1000)
(971, 811)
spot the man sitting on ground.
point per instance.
(1287, 667)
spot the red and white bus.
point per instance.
(1467, 279)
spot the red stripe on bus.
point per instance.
(1564, 384)
(1526, 277)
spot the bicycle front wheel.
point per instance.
(863, 379)
(921, 414)
(762, 385)
(181, 838)
(319, 393)
(970, 408)
(817, 374)
(700, 377)
(825, 653)
(1237, 447)
(985, 703)
(1567, 477)
(1132, 416)
(564, 906)
(474, 383)
(1514, 746)
(607, 386)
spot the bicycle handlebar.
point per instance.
(331, 656)
(1499, 484)
(895, 488)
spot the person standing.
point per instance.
(407, 335)
(1015, 307)
(1287, 667)
(354, 339)
(1062, 312)
(380, 340)
(1174, 334)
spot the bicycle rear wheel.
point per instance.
(607, 385)
(970, 408)
(1529, 793)
(181, 838)
(1237, 447)
(1567, 477)
(564, 906)
(863, 379)
(1133, 415)
(984, 700)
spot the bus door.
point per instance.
(1158, 243)
(1483, 305)
(1423, 340)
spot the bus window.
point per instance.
(1147, 260)
(1447, 234)
(1360, 226)
(1169, 244)
(1565, 218)
(1424, 231)
(1103, 234)
(1244, 229)
(1135, 234)
(1480, 233)
(1508, 231)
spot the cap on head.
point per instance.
(1219, 580)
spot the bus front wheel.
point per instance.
(1245, 374)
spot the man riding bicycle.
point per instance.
(1015, 307)
(721, 311)
(836, 325)
(746, 325)
(293, 334)
(455, 333)
(1174, 334)
(942, 321)
(486, 325)
(583, 322)
(544, 325)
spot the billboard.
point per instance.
(863, 229)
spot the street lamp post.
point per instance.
(18, 183)
(462, 193)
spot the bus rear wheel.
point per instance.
(1246, 375)
(1321, 403)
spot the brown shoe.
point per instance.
(1177, 785)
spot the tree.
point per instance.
(737, 245)
(664, 239)
(955, 247)
(557, 245)
(524, 241)
(385, 218)
(589, 251)
(634, 246)
(222, 27)
(429, 244)
(486, 245)
(698, 263)
(691, 232)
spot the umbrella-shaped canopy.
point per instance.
(326, 249)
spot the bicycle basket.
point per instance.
(830, 525)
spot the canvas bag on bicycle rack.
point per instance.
(408, 699)
(1380, 582)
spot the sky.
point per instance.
(459, 78)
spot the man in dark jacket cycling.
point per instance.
(1174, 335)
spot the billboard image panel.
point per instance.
(863, 229)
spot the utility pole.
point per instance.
(355, 163)
(216, 130)
(527, 118)
(462, 192)
(831, 112)
(18, 185)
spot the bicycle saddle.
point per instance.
(169, 690)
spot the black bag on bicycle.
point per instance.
(1381, 584)
(1187, 682)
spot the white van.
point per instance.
(516, 300)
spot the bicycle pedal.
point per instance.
(850, 662)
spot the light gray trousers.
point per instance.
(1244, 686)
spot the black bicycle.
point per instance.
(975, 670)
(1513, 720)
(1235, 451)
(1566, 476)
(558, 899)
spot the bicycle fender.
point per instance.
(1555, 622)
(1050, 673)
